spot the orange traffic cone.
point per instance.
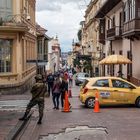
(96, 105)
(66, 103)
(70, 93)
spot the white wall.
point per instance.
(136, 58)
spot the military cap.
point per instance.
(38, 77)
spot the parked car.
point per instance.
(80, 78)
(110, 90)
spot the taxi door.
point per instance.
(106, 96)
(122, 92)
(103, 87)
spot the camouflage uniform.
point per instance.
(38, 93)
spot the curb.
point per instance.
(18, 128)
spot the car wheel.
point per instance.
(138, 102)
(90, 102)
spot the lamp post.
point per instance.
(54, 67)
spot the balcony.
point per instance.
(131, 28)
(114, 33)
(13, 23)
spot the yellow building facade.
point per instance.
(17, 45)
(90, 35)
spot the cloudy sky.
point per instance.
(61, 18)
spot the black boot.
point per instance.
(39, 121)
(24, 117)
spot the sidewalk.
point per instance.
(9, 118)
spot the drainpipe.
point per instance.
(131, 58)
(111, 66)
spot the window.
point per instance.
(86, 75)
(129, 10)
(126, 12)
(5, 55)
(5, 9)
(39, 46)
(101, 83)
(113, 21)
(138, 12)
(108, 24)
(133, 9)
(120, 84)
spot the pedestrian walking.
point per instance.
(70, 79)
(38, 92)
(66, 76)
(50, 81)
(120, 74)
(56, 92)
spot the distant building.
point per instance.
(70, 59)
(90, 43)
(42, 49)
(64, 59)
(54, 56)
(64, 56)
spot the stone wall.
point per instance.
(19, 88)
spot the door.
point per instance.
(103, 87)
(122, 91)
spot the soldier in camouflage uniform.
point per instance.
(38, 93)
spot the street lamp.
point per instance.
(54, 67)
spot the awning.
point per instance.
(115, 59)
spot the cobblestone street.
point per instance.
(115, 122)
(69, 69)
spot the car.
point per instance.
(110, 91)
(80, 78)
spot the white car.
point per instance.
(80, 78)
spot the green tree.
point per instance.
(76, 62)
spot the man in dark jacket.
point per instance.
(50, 81)
(38, 94)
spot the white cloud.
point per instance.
(55, 5)
(60, 17)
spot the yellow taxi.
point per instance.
(111, 91)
